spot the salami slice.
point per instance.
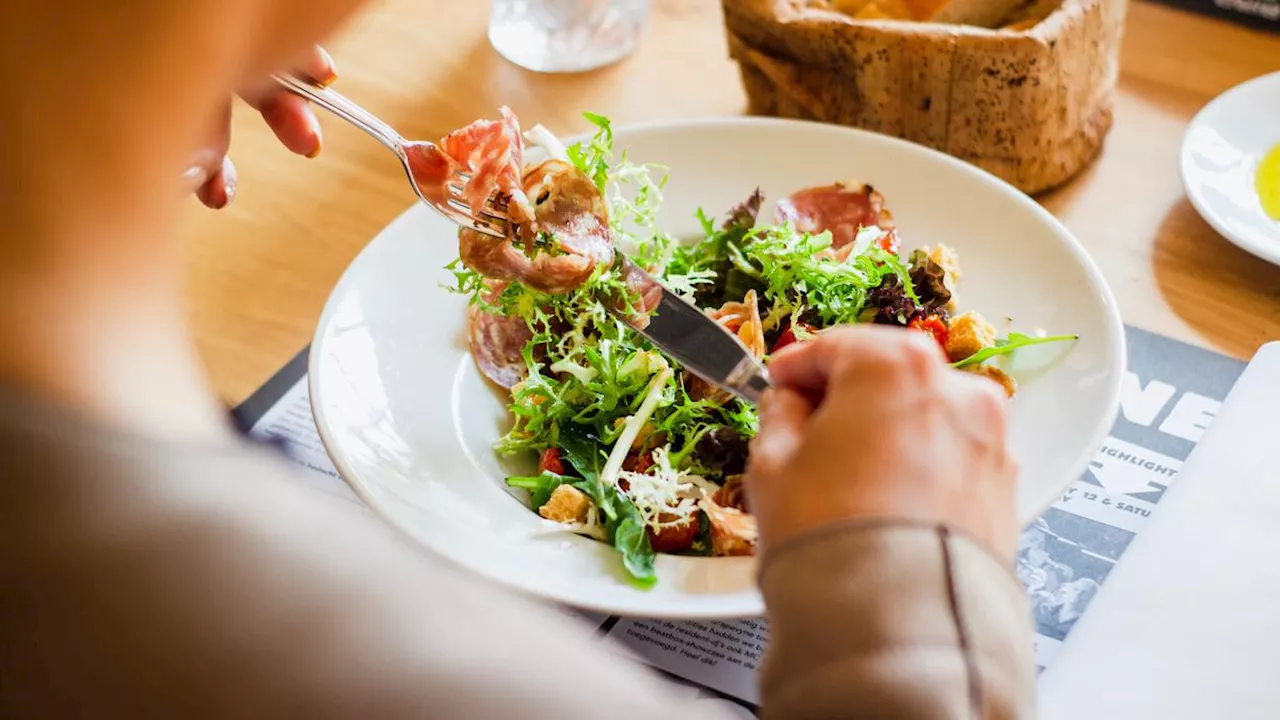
(841, 208)
(496, 343)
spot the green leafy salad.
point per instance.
(636, 452)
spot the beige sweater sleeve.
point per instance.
(146, 580)
(889, 620)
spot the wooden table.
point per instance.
(262, 269)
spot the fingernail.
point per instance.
(194, 178)
(333, 73)
(315, 128)
(229, 180)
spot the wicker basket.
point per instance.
(1030, 106)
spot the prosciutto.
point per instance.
(558, 230)
(842, 208)
(490, 151)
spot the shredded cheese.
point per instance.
(665, 492)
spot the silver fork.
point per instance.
(492, 220)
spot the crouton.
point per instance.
(967, 334)
(567, 504)
(996, 374)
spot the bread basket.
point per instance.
(1031, 106)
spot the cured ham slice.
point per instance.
(559, 225)
(501, 259)
(568, 206)
(496, 342)
(490, 151)
(841, 208)
(556, 242)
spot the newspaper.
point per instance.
(1171, 393)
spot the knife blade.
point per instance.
(701, 345)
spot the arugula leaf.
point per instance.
(1006, 346)
(623, 524)
(632, 542)
(540, 487)
(582, 449)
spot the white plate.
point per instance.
(409, 421)
(1220, 152)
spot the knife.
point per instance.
(701, 345)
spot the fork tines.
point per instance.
(492, 217)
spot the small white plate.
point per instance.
(1220, 154)
(409, 421)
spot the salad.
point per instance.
(633, 450)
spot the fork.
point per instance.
(674, 325)
(492, 220)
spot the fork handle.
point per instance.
(339, 105)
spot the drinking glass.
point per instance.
(564, 36)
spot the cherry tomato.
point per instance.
(788, 336)
(676, 537)
(638, 462)
(933, 325)
(551, 461)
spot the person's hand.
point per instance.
(212, 176)
(869, 423)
